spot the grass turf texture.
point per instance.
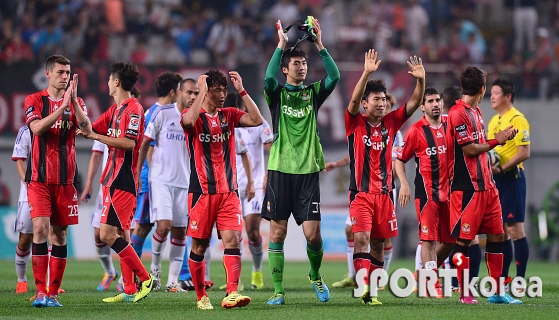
(82, 300)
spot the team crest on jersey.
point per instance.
(134, 122)
(466, 228)
(424, 229)
(305, 96)
(194, 225)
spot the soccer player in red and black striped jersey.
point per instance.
(213, 183)
(121, 128)
(370, 137)
(52, 115)
(425, 140)
(474, 200)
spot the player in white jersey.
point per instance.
(169, 172)
(23, 223)
(99, 153)
(255, 139)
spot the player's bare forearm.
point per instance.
(400, 170)
(253, 118)
(247, 166)
(39, 127)
(142, 154)
(21, 169)
(94, 162)
(355, 102)
(119, 143)
(83, 120)
(522, 154)
(150, 154)
(191, 116)
(473, 149)
(416, 98)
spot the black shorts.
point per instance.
(297, 194)
(512, 194)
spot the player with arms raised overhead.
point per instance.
(212, 197)
(121, 129)
(474, 200)
(370, 138)
(296, 157)
(52, 115)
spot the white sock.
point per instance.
(48, 269)
(104, 254)
(256, 251)
(176, 256)
(157, 245)
(430, 265)
(22, 257)
(350, 266)
(418, 262)
(387, 258)
(208, 258)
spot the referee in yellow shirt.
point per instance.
(509, 173)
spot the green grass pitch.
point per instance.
(83, 301)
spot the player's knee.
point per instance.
(41, 231)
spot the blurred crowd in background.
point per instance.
(516, 37)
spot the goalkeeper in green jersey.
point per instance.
(296, 156)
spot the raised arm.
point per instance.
(332, 72)
(253, 118)
(83, 121)
(371, 65)
(190, 117)
(418, 72)
(270, 80)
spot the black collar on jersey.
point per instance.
(304, 26)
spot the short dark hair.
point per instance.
(429, 91)
(289, 53)
(392, 99)
(135, 92)
(506, 85)
(57, 58)
(472, 80)
(166, 82)
(126, 72)
(374, 86)
(183, 81)
(234, 100)
(450, 95)
(215, 78)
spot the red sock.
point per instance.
(197, 266)
(57, 265)
(40, 266)
(494, 262)
(129, 257)
(128, 279)
(232, 265)
(373, 267)
(362, 263)
(460, 274)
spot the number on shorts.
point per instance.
(255, 206)
(393, 224)
(316, 207)
(239, 217)
(73, 210)
(104, 211)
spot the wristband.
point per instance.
(243, 93)
(492, 143)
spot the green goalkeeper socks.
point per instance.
(276, 261)
(315, 258)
